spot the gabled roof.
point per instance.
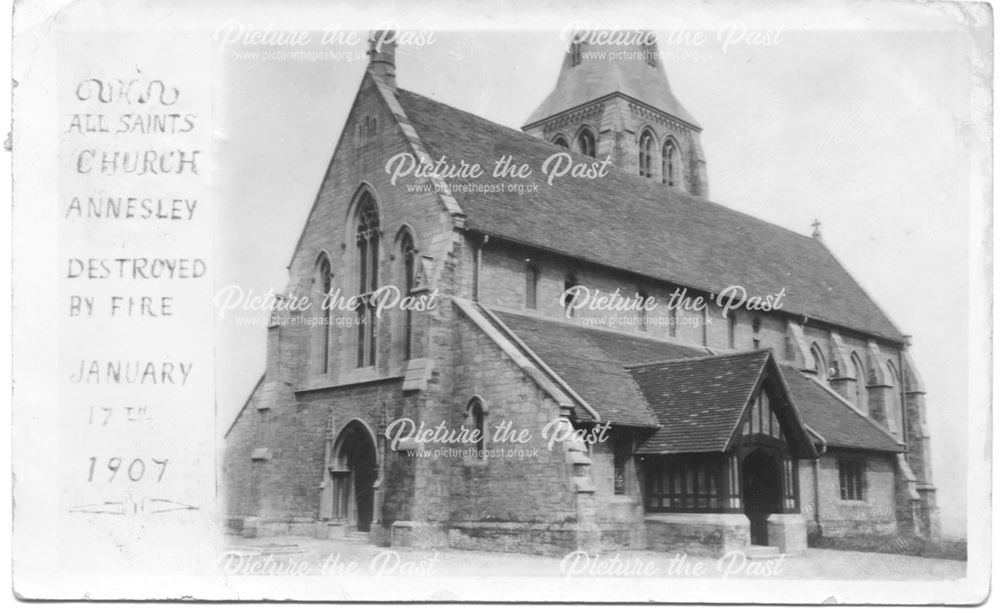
(592, 362)
(693, 399)
(698, 402)
(641, 226)
(833, 418)
(607, 69)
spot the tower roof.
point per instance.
(606, 63)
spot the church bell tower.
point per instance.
(612, 98)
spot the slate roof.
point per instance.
(830, 416)
(591, 361)
(691, 397)
(638, 225)
(697, 402)
(621, 70)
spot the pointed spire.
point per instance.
(602, 62)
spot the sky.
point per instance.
(870, 131)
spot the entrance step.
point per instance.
(277, 549)
(762, 552)
(355, 535)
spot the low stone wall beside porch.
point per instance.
(540, 538)
(257, 527)
(702, 534)
(787, 532)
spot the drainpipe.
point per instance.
(815, 465)
(902, 390)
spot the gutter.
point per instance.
(822, 441)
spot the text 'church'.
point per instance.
(504, 398)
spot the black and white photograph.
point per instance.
(572, 302)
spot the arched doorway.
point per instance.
(353, 473)
(761, 492)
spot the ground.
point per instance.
(346, 557)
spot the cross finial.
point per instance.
(816, 233)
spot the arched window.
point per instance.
(732, 329)
(367, 254)
(819, 361)
(646, 148)
(323, 283)
(408, 254)
(477, 416)
(860, 384)
(531, 286)
(561, 141)
(569, 297)
(671, 164)
(586, 143)
(575, 56)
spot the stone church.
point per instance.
(677, 424)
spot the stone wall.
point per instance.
(503, 284)
(273, 463)
(617, 125)
(529, 482)
(238, 477)
(876, 514)
(289, 421)
(700, 534)
(359, 163)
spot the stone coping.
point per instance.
(715, 519)
(786, 518)
(516, 525)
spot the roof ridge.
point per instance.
(861, 287)
(636, 179)
(700, 358)
(574, 324)
(810, 271)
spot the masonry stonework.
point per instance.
(282, 471)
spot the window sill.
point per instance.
(357, 377)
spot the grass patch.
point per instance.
(900, 545)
